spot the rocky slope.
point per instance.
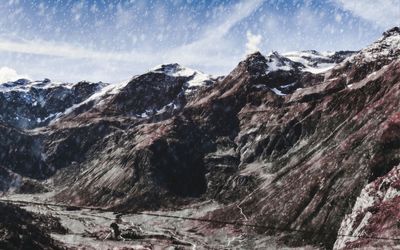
(25, 104)
(22, 230)
(307, 152)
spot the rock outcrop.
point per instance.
(25, 104)
(22, 230)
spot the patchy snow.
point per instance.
(370, 78)
(314, 62)
(391, 193)
(169, 106)
(196, 78)
(387, 47)
(278, 92)
(150, 112)
(278, 62)
(372, 194)
(24, 85)
(275, 65)
(327, 53)
(97, 97)
(288, 85)
(324, 67)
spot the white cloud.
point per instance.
(211, 51)
(45, 48)
(211, 48)
(8, 74)
(384, 13)
(253, 42)
(240, 11)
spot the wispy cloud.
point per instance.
(210, 48)
(253, 42)
(385, 13)
(240, 11)
(8, 74)
(111, 40)
(46, 48)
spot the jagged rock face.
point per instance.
(148, 94)
(339, 56)
(155, 164)
(372, 58)
(165, 89)
(279, 145)
(316, 62)
(375, 213)
(156, 95)
(315, 156)
(25, 104)
(159, 163)
(21, 153)
(273, 71)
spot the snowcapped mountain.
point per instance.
(37, 103)
(316, 62)
(387, 48)
(304, 143)
(195, 78)
(29, 104)
(372, 58)
(161, 91)
(278, 62)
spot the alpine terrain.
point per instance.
(300, 149)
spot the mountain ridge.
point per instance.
(276, 142)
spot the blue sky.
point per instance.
(111, 40)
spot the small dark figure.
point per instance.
(117, 233)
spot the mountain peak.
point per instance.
(254, 63)
(279, 62)
(259, 65)
(194, 78)
(170, 68)
(254, 55)
(391, 32)
(386, 48)
(176, 70)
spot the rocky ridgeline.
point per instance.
(25, 104)
(295, 141)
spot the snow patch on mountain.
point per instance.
(98, 98)
(313, 61)
(25, 85)
(195, 78)
(28, 104)
(279, 62)
(384, 189)
(387, 47)
(278, 92)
